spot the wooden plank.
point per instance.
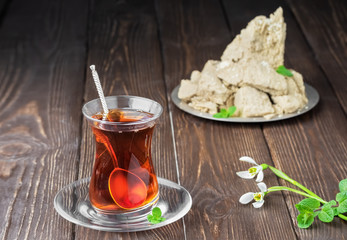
(3, 8)
(42, 55)
(310, 148)
(124, 47)
(193, 32)
(324, 26)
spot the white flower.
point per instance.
(258, 196)
(251, 172)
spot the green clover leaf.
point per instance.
(331, 203)
(335, 211)
(342, 208)
(307, 205)
(343, 185)
(305, 220)
(341, 196)
(328, 212)
(326, 215)
(303, 208)
(284, 71)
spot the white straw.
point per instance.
(99, 89)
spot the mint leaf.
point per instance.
(150, 218)
(303, 208)
(225, 113)
(330, 204)
(326, 214)
(305, 220)
(156, 216)
(342, 196)
(231, 110)
(156, 212)
(342, 208)
(307, 205)
(284, 71)
(155, 221)
(343, 185)
(218, 115)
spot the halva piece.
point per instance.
(246, 75)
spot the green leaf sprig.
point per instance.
(284, 71)
(155, 217)
(225, 113)
(309, 208)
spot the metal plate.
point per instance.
(311, 93)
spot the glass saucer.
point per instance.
(72, 203)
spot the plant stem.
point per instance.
(308, 193)
(281, 188)
(285, 177)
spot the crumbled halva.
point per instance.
(263, 77)
(252, 102)
(262, 40)
(295, 99)
(246, 75)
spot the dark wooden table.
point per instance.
(145, 48)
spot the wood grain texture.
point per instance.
(3, 7)
(191, 33)
(124, 47)
(145, 48)
(41, 71)
(311, 148)
(324, 27)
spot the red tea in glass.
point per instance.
(123, 177)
